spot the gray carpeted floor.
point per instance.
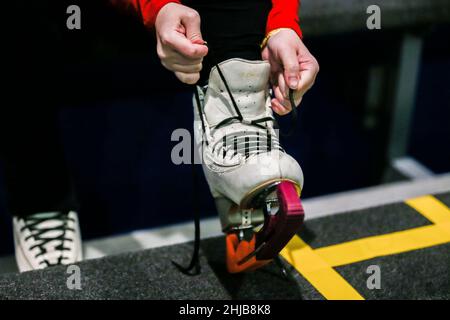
(420, 274)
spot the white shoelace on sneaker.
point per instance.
(47, 235)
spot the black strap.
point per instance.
(200, 112)
(194, 266)
(236, 108)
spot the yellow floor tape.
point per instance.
(320, 274)
(316, 265)
(431, 208)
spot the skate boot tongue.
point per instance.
(248, 83)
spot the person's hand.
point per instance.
(292, 66)
(180, 45)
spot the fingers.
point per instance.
(281, 98)
(191, 22)
(187, 71)
(191, 43)
(180, 30)
(188, 78)
(182, 45)
(278, 107)
(283, 88)
(175, 57)
(297, 98)
(291, 66)
(281, 92)
(186, 68)
(305, 74)
(280, 104)
(308, 76)
(183, 67)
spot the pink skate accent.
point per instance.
(277, 231)
(280, 228)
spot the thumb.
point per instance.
(191, 23)
(291, 67)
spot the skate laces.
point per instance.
(242, 144)
(238, 117)
(256, 137)
(46, 228)
(256, 122)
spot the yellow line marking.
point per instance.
(384, 245)
(323, 277)
(431, 208)
(316, 265)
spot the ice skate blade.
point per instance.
(276, 232)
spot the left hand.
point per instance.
(292, 66)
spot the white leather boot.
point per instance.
(255, 183)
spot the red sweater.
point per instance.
(284, 13)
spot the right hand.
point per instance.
(180, 45)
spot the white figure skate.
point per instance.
(256, 185)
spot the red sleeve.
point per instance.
(284, 14)
(147, 9)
